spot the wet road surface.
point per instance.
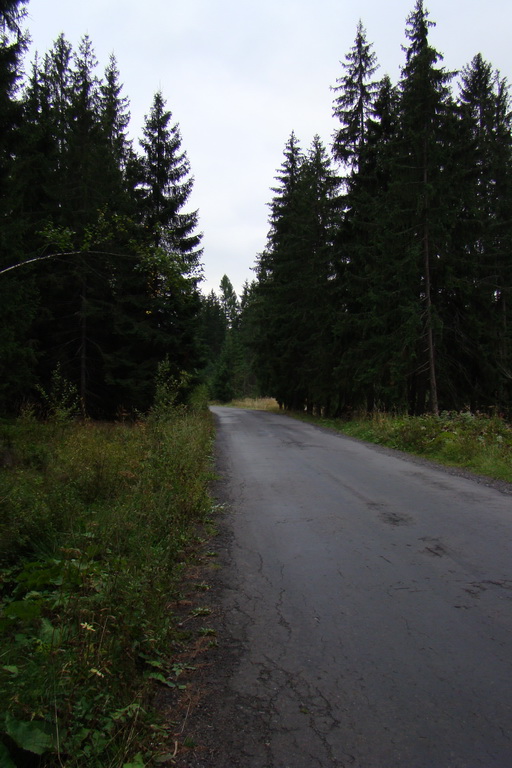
(369, 600)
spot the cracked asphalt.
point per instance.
(364, 607)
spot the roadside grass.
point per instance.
(482, 444)
(97, 526)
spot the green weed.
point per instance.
(96, 521)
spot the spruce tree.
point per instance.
(247, 326)
(72, 187)
(115, 116)
(124, 296)
(355, 94)
(229, 301)
(294, 277)
(373, 278)
(224, 383)
(423, 186)
(229, 327)
(13, 42)
(165, 188)
(76, 291)
(212, 332)
(17, 295)
(278, 276)
(170, 242)
(483, 240)
(320, 214)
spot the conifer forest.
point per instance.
(385, 282)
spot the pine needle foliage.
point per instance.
(99, 258)
(392, 294)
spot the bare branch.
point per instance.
(55, 256)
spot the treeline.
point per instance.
(386, 279)
(99, 258)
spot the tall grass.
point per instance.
(480, 443)
(95, 524)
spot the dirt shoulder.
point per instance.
(203, 721)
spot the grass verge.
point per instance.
(476, 442)
(96, 525)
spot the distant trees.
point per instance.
(226, 335)
(126, 294)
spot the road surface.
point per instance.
(367, 603)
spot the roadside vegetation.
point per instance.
(97, 525)
(474, 441)
(479, 443)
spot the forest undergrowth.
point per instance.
(98, 523)
(477, 442)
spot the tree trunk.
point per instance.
(83, 348)
(434, 404)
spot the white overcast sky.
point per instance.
(240, 75)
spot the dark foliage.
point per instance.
(103, 260)
(390, 290)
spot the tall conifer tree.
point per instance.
(278, 278)
(115, 115)
(170, 235)
(294, 278)
(166, 186)
(373, 282)
(76, 188)
(482, 245)
(12, 46)
(17, 298)
(353, 105)
(426, 111)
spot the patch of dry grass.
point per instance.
(256, 403)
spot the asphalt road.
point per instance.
(367, 601)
